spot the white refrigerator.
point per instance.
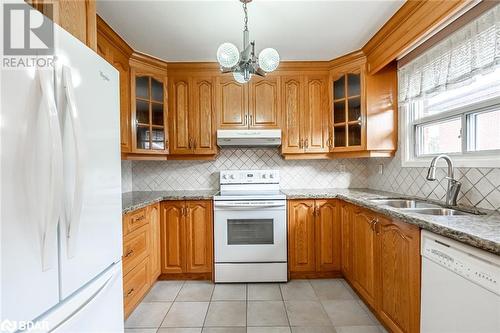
(61, 237)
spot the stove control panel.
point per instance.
(250, 177)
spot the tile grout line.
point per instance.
(284, 305)
(171, 304)
(208, 307)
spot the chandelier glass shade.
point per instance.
(243, 64)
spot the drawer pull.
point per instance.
(138, 219)
(130, 292)
(129, 253)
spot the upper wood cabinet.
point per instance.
(76, 17)
(186, 237)
(148, 108)
(192, 115)
(363, 111)
(264, 102)
(305, 114)
(114, 49)
(313, 238)
(255, 105)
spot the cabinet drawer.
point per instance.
(135, 248)
(135, 285)
(134, 220)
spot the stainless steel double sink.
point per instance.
(419, 207)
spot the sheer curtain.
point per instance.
(472, 50)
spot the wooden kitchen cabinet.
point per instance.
(255, 105)
(398, 283)
(305, 114)
(346, 227)
(155, 239)
(117, 52)
(76, 17)
(364, 254)
(186, 238)
(381, 260)
(148, 107)
(264, 102)
(313, 238)
(141, 254)
(363, 111)
(301, 251)
(192, 116)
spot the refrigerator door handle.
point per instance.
(73, 207)
(48, 225)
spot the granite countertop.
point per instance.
(139, 199)
(481, 231)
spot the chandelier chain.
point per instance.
(246, 15)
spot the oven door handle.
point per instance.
(248, 207)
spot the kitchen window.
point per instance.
(449, 98)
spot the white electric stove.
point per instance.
(250, 227)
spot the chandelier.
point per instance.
(244, 64)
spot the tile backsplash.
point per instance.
(480, 186)
(190, 175)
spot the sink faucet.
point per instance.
(453, 184)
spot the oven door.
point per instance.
(250, 231)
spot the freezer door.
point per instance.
(30, 190)
(87, 92)
(96, 308)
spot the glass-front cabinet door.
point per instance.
(347, 112)
(149, 111)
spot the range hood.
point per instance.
(249, 138)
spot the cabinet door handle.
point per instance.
(251, 119)
(329, 142)
(138, 219)
(194, 143)
(129, 292)
(246, 117)
(306, 143)
(301, 143)
(166, 144)
(129, 253)
(190, 141)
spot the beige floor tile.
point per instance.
(331, 289)
(186, 314)
(347, 313)
(148, 315)
(198, 291)
(266, 313)
(224, 330)
(298, 290)
(140, 330)
(179, 330)
(264, 292)
(353, 293)
(324, 329)
(358, 329)
(164, 291)
(226, 313)
(230, 292)
(268, 329)
(306, 313)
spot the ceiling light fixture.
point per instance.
(244, 64)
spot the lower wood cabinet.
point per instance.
(186, 238)
(141, 254)
(314, 238)
(381, 261)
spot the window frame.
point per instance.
(466, 158)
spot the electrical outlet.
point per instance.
(380, 169)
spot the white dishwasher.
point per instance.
(460, 287)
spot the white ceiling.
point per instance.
(299, 30)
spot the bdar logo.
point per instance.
(27, 31)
